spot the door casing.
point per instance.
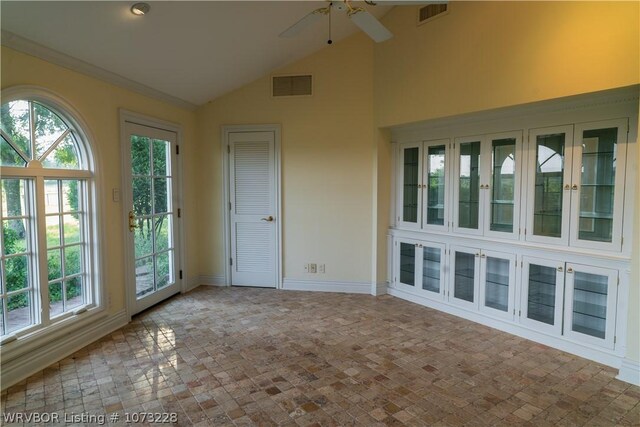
(226, 131)
(127, 116)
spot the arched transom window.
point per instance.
(47, 262)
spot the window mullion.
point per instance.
(32, 129)
(41, 250)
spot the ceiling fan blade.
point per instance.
(307, 21)
(370, 25)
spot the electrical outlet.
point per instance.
(321, 268)
(306, 268)
(313, 268)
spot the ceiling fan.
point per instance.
(358, 15)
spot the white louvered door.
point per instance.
(253, 203)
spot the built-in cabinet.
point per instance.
(521, 227)
(575, 185)
(421, 267)
(423, 202)
(580, 297)
(486, 189)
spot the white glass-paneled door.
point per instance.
(151, 210)
(253, 208)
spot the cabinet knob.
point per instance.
(574, 187)
(478, 254)
(482, 256)
(567, 187)
(569, 270)
(559, 268)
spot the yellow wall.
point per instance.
(484, 55)
(327, 164)
(98, 104)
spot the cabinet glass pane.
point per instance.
(590, 304)
(435, 185)
(431, 269)
(503, 168)
(410, 182)
(464, 276)
(541, 298)
(407, 264)
(469, 185)
(547, 207)
(597, 182)
(497, 284)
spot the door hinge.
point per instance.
(230, 261)
(177, 150)
(179, 213)
(519, 313)
(229, 149)
(229, 205)
(618, 281)
(180, 274)
(615, 339)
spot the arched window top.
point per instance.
(34, 134)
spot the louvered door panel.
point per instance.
(252, 178)
(253, 248)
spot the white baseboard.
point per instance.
(604, 356)
(211, 280)
(21, 368)
(380, 289)
(326, 286)
(629, 372)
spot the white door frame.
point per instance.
(127, 116)
(226, 130)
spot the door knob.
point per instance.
(268, 219)
(574, 187)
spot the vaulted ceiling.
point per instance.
(191, 51)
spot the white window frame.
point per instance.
(35, 336)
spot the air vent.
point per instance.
(430, 11)
(291, 85)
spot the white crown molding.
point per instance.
(326, 286)
(21, 368)
(629, 372)
(32, 48)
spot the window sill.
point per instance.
(11, 348)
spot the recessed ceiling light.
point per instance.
(140, 9)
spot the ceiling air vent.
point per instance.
(291, 85)
(430, 11)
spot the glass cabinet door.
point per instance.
(597, 184)
(549, 184)
(409, 212)
(435, 170)
(465, 263)
(503, 185)
(406, 261)
(432, 269)
(467, 200)
(497, 285)
(590, 304)
(542, 293)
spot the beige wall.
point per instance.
(485, 55)
(327, 161)
(98, 104)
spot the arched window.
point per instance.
(47, 259)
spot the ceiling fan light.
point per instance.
(140, 9)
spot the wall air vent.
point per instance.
(291, 85)
(430, 11)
